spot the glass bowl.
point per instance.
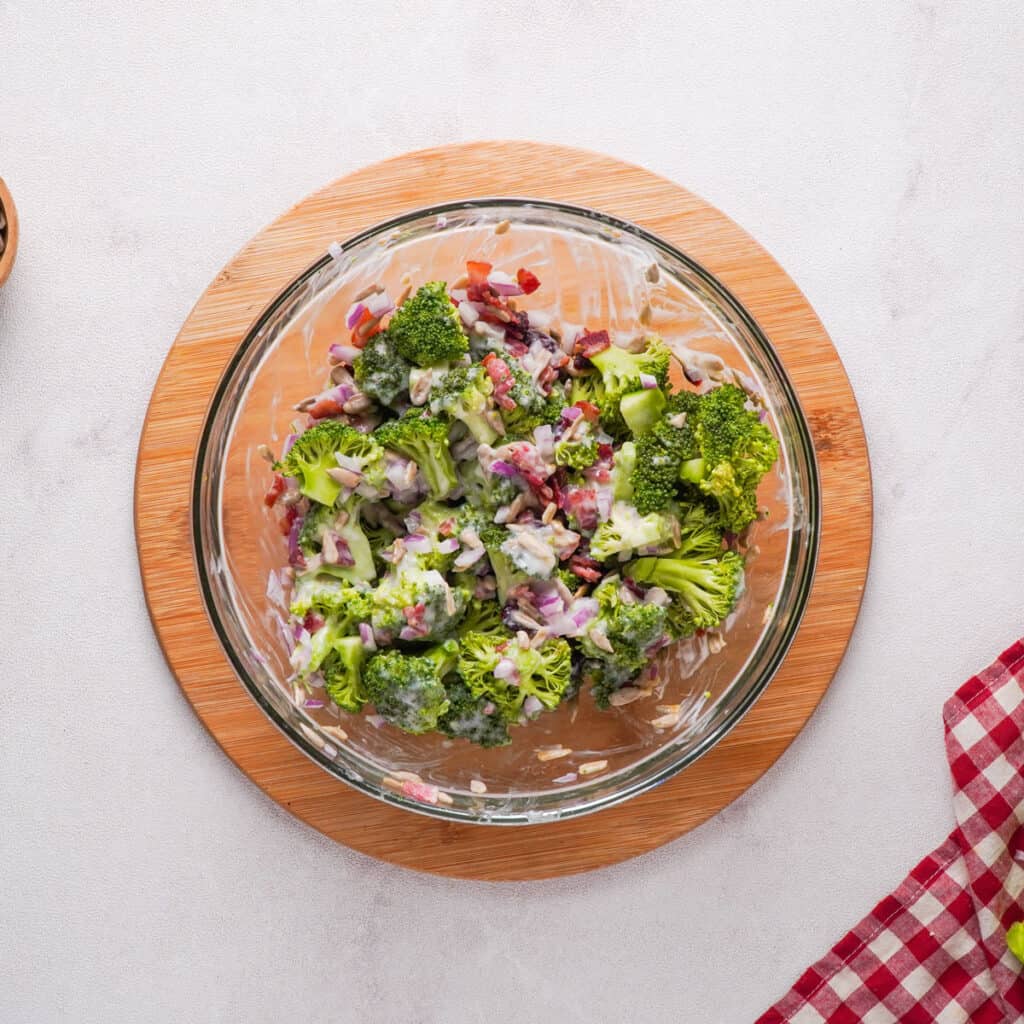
(595, 270)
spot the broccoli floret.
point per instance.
(606, 677)
(628, 627)
(331, 597)
(576, 453)
(506, 574)
(473, 718)
(426, 328)
(414, 603)
(408, 689)
(568, 578)
(342, 672)
(662, 452)
(487, 491)
(311, 457)
(735, 450)
(425, 441)
(542, 672)
(463, 393)
(338, 530)
(700, 536)
(627, 531)
(642, 409)
(620, 370)
(380, 371)
(482, 616)
(533, 407)
(706, 588)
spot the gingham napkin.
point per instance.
(935, 950)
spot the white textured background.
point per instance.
(875, 148)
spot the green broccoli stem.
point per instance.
(642, 409)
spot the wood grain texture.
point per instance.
(10, 248)
(216, 326)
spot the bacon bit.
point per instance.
(312, 622)
(589, 410)
(527, 280)
(414, 614)
(539, 487)
(590, 343)
(447, 528)
(288, 520)
(274, 492)
(497, 369)
(478, 271)
(547, 377)
(502, 647)
(585, 567)
(362, 333)
(581, 504)
(325, 407)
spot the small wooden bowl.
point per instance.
(8, 232)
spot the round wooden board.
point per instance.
(216, 326)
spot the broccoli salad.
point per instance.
(487, 517)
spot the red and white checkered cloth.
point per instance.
(935, 950)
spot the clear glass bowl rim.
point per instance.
(202, 486)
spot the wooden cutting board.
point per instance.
(216, 326)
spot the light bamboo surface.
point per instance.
(216, 326)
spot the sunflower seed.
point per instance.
(553, 753)
(370, 289)
(592, 767)
(600, 641)
(628, 694)
(476, 786)
(653, 273)
(502, 226)
(264, 452)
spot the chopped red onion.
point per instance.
(568, 777)
(417, 544)
(468, 558)
(376, 720)
(571, 413)
(657, 596)
(448, 546)
(275, 592)
(343, 353)
(459, 294)
(312, 702)
(532, 706)
(506, 669)
(503, 284)
(585, 609)
(354, 313)
(502, 468)
(295, 556)
(692, 376)
(763, 416)
(288, 442)
(648, 382)
(367, 637)
(544, 439)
